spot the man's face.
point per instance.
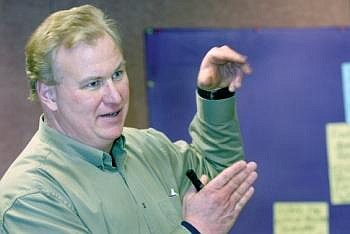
(93, 95)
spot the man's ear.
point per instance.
(47, 95)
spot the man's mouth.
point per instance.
(111, 114)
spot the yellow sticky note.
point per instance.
(301, 218)
(338, 147)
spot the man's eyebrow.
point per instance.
(122, 63)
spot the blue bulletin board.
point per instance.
(294, 91)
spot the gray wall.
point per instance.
(19, 117)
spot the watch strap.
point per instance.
(215, 94)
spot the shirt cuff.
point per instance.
(216, 111)
(189, 227)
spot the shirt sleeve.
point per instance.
(216, 140)
(215, 133)
(216, 143)
(41, 213)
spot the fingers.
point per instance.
(246, 68)
(232, 177)
(235, 181)
(242, 181)
(236, 83)
(239, 72)
(224, 54)
(240, 197)
(226, 175)
(242, 189)
(243, 201)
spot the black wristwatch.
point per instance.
(215, 94)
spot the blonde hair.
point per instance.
(63, 28)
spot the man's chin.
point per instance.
(113, 134)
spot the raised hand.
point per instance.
(222, 67)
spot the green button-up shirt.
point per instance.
(59, 185)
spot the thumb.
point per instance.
(204, 179)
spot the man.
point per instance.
(84, 172)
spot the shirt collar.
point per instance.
(74, 148)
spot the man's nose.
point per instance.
(111, 93)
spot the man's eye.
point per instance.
(118, 75)
(94, 84)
